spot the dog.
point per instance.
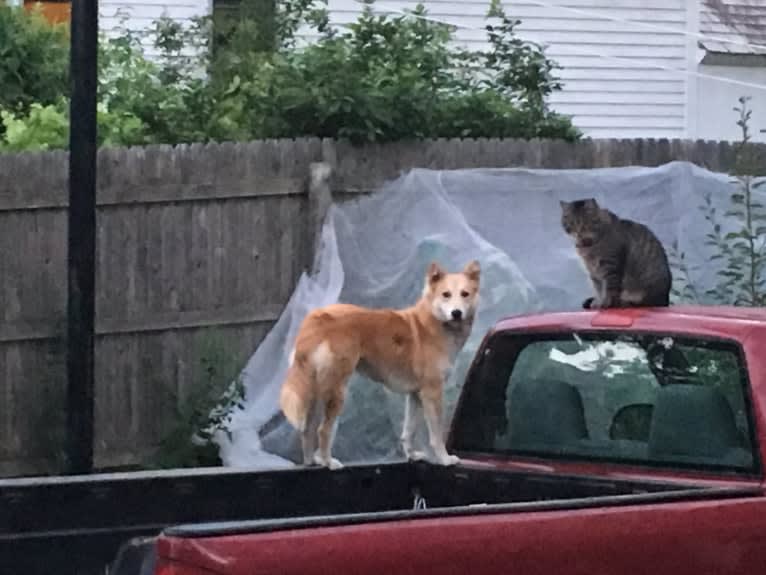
(410, 351)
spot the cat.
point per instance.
(627, 264)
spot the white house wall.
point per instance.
(716, 120)
(631, 96)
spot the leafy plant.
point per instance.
(47, 127)
(683, 288)
(392, 78)
(737, 245)
(203, 408)
(42, 128)
(290, 15)
(153, 97)
(519, 68)
(742, 278)
(34, 59)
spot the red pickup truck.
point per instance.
(594, 442)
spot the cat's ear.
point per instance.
(563, 204)
(591, 204)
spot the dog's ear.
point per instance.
(435, 272)
(472, 270)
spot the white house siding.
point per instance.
(625, 98)
(716, 119)
(142, 13)
(742, 58)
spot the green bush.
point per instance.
(216, 389)
(738, 252)
(34, 59)
(386, 79)
(47, 127)
(42, 128)
(382, 79)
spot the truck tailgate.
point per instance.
(688, 531)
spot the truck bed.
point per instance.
(401, 491)
(432, 491)
(606, 534)
(296, 499)
(78, 523)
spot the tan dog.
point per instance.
(410, 351)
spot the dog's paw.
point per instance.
(449, 460)
(417, 455)
(330, 463)
(335, 464)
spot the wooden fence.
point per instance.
(191, 238)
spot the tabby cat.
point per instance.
(626, 262)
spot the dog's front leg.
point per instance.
(412, 410)
(431, 398)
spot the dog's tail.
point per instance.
(296, 397)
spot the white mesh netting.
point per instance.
(375, 251)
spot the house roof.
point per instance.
(740, 21)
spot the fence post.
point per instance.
(320, 200)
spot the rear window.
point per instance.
(646, 399)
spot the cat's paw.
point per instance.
(610, 302)
(589, 303)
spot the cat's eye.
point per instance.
(464, 294)
(446, 295)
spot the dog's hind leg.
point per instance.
(333, 385)
(309, 435)
(413, 409)
(333, 405)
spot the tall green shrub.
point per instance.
(34, 59)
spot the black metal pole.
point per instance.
(81, 235)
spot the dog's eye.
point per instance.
(464, 294)
(446, 295)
